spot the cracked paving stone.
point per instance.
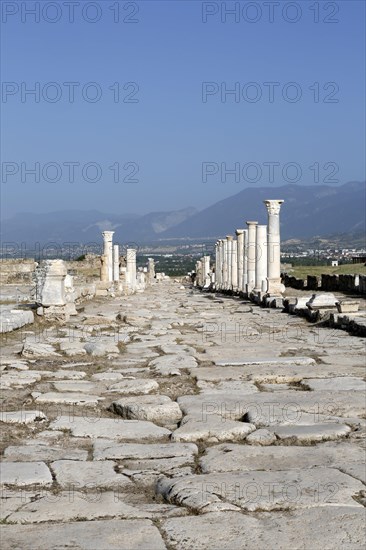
(22, 474)
(70, 473)
(156, 408)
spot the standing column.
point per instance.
(261, 259)
(221, 266)
(229, 253)
(108, 252)
(224, 265)
(240, 257)
(206, 263)
(234, 266)
(275, 287)
(251, 255)
(131, 269)
(116, 262)
(217, 263)
(245, 262)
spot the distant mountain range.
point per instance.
(308, 211)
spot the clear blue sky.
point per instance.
(169, 52)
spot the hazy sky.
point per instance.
(157, 107)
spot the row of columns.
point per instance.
(251, 263)
(110, 264)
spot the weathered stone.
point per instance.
(260, 490)
(156, 408)
(36, 452)
(267, 361)
(134, 387)
(322, 301)
(25, 473)
(109, 450)
(21, 417)
(107, 376)
(12, 319)
(261, 437)
(85, 535)
(313, 432)
(213, 428)
(37, 349)
(331, 527)
(99, 349)
(337, 383)
(170, 364)
(230, 457)
(75, 386)
(77, 475)
(71, 398)
(112, 428)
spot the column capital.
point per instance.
(273, 206)
(251, 223)
(239, 231)
(229, 237)
(108, 234)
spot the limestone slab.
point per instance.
(85, 535)
(107, 376)
(156, 408)
(21, 417)
(337, 383)
(71, 473)
(134, 387)
(73, 505)
(213, 429)
(36, 452)
(74, 386)
(313, 432)
(25, 473)
(38, 349)
(331, 527)
(70, 398)
(233, 457)
(266, 361)
(117, 428)
(170, 364)
(109, 450)
(271, 490)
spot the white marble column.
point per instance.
(206, 271)
(261, 259)
(229, 253)
(240, 257)
(245, 261)
(224, 265)
(275, 287)
(116, 262)
(234, 266)
(221, 252)
(217, 262)
(108, 251)
(251, 255)
(131, 269)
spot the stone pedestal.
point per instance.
(50, 283)
(108, 251)
(251, 254)
(261, 259)
(274, 287)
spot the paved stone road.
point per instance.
(174, 419)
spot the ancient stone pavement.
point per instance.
(180, 420)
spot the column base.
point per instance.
(275, 287)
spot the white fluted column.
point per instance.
(234, 265)
(274, 287)
(116, 262)
(131, 269)
(229, 253)
(261, 259)
(206, 271)
(108, 252)
(251, 250)
(245, 261)
(217, 264)
(240, 257)
(224, 265)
